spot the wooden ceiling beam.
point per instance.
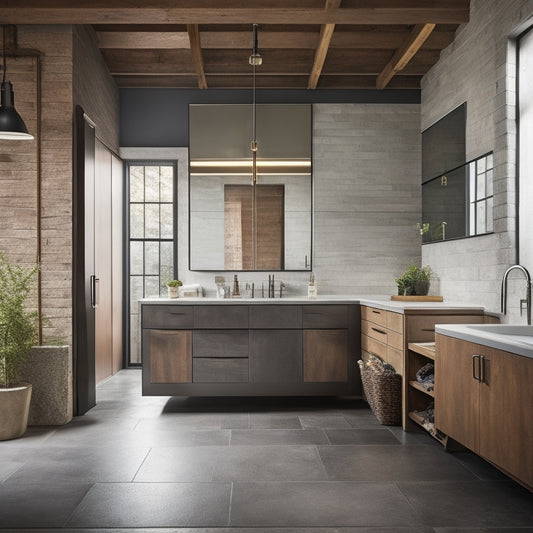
(326, 33)
(121, 12)
(196, 49)
(403, 55)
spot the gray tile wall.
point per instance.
(366, 173)
(479, 68)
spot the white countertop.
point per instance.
(380, 303)
(517, 339)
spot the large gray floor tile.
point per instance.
(38, 505)
(361, 436)
(470, 504)
(409, 529)
(181, 421)
(65, 465)
(269, 463)
(483, 530)
(320, 505)
(479, 467)
(250, 437)
(154, 505)
(324, 421)
(178, 464)
(391, 463)
(274, 421)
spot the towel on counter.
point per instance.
(190, 291)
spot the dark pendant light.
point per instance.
(255, 59)
(12, 126)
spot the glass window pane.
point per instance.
(472, 219)
(482, 165)
(167, 221)
(167, 261)
(151, 258)
(167, 184)
(137, 221)
(136, 184)
(136, 292)
(472, 180)
(480, 186)
(151, 286)
(151, 188)
(490, 161)
(135, 342)
(489, 191)
(490, 215)
(480, 218)
(136, 258)
(152, 221)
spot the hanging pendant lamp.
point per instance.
(12, 126)
(255, 59)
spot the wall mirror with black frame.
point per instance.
(235, 224)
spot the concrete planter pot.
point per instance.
(14, 409)
(173, 292)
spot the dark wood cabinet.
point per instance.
(244, 349)
(325, 355)
(276, 356)
(170, 356)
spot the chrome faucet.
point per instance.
(526, 300)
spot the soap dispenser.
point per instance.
(311, 288)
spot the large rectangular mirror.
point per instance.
(234, 224)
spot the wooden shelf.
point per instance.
(399, 298)
(429, 427)
(420, 387)
(427, 349)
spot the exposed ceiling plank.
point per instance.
(403, 55)
(196, 49)
(326, 33)
(121, 12)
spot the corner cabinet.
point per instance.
(483, 400)
(251, 349)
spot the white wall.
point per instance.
(479, 68)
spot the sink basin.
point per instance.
(518, 333)
(511, 338)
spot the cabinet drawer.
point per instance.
(220, 343)
(376, 332)
(373, 346)
(275, 316)
(325, 316)
(395, 340)
(421, 328)
(170, 356)
(372, 314)
(395, 358)
(216, 370)
(221, 316)
(167, 316)
(395, 321)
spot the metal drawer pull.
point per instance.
(428, 329)
(376, 312)
(380, 331)
(474, 359)
(482, 369)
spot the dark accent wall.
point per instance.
(160, 117)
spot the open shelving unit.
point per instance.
(417, 396)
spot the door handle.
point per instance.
(482, 369)
(474, 358)
(94, 279)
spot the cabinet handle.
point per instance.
(376, 312)
(379, 331)
(482, 369)
(474, 358)
(93, 281)
(428, 329)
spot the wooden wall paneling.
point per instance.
(117, 259)
(103, 263)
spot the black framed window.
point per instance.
(151, 239)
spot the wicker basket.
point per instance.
(383, 391)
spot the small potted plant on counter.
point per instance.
(173, 287)
(18, 333)
(415, 281)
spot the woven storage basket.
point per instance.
(383, 391)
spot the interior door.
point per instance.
(84, 279)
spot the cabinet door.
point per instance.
(506, 398)
(276, 356)
(170, 356)
(326, 355)
(456, 392)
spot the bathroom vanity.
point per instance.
(483, 393)
(262, 347)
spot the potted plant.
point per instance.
(173, 287)
(415, 281)
(18, 333)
